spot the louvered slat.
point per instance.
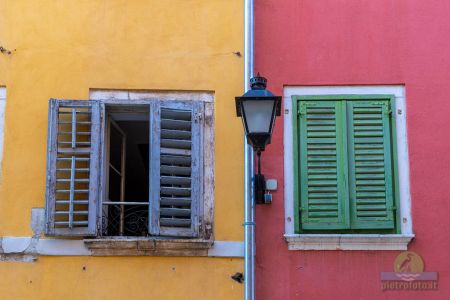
(175, 134)
(64, 202)
(66, 213)
(176, 124)
(174, 169)
(179, 201)
(177, 160)
(74, 223)
(370, 178)
(171, 190)
(176, 143)
(175, 222)
(175, 180)
(175, 212)
(322, 166)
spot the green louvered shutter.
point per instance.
(323, 166)
(370, 165)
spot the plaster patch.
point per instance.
(15, 244)
(62, 247)
(37, 221)
(226, 249)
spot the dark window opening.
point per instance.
(126, 206)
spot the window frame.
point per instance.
(341, 98)
(203, 101)
(349, 241)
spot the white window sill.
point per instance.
(28, 249)
(348, 241)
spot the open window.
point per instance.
(125, 207)
(125, 169)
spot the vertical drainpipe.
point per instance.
(249, 208)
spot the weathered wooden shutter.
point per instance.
(176, 168)
(72, 167)
(323, 165)
(370, 165)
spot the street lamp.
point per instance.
(258, 108)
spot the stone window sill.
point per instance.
(348, 241)
(148, 247)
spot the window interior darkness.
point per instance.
(125, 210)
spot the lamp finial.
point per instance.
(258, 82)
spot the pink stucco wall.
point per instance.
(347, 42)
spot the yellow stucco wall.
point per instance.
(120, 278)
(65, 48)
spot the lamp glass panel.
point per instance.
(258, 114)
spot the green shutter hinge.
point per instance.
(387, 110)
(393, 208)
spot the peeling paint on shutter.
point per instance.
(370, 170)
(323, 165)
(176, 168)
(72, 167)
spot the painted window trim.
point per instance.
(2, 124)
(349, 241)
